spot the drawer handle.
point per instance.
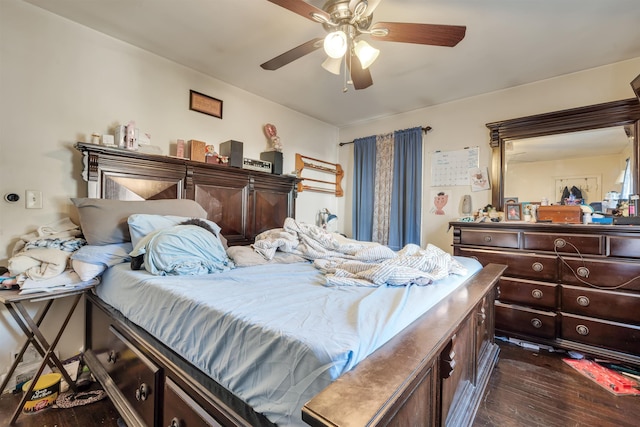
(583, 301)
(498, 292)
(482, 316)
(583, 271)
(112, 357)
(537, 293)
(175, 422)
(487, 238)
(582, 330)
(560, 243)
(142, 392)
(536, 323)
(537, 267)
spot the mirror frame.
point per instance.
(617, 113)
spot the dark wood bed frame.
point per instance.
(431, 374)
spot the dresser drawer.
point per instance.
(493, 238)
(564, 243)
(625, 247)
(134, 374)
(611, 305)
(601, 333)
(180, 410)
(528, 266)
(524, 320)
(601, 273)
(529, 292)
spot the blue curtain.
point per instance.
(406, 197)
(364, 173)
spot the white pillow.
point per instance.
(86, 270)
(142, 224)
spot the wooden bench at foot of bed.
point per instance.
(432, 374)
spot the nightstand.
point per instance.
(13, 301)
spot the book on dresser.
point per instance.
(571, 286)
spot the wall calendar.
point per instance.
(450, 168)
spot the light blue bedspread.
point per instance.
(273, 335)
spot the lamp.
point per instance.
(332, 65)
(335, 44)
(325, 218)
(365, 53)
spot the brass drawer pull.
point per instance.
(537, 293)
(536, 323)
(538, 267)
(142, 392)
(487, 239)
(583, 271)
(560, 243)
(583, 301)
(582, 330)
(175, 422)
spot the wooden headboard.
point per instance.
(242, 202)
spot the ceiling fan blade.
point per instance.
(371, 6)
(431, 34)
(361, 77)
(302, 8)
(292, 55)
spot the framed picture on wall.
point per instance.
(513, 212)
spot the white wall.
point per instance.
(461, 124)
(60, 81)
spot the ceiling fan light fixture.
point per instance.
(335, 44)
(332, 65)
(366, 53)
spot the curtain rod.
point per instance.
(424, 129)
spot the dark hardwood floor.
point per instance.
(526, 389)
(539, 389)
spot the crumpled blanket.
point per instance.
(182, 250)
(45, 253)
(358, 264)
(313, 242)
(412, 265)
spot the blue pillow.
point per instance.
(107, 255)
(142, 224)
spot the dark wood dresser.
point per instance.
(575, 287)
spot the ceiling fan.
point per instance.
(346, 22)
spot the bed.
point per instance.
(423, 359)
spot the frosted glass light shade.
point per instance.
(365, 53)
(335, 44)
(332, 65)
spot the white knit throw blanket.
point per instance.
(357, 264)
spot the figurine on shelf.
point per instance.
(272, 133)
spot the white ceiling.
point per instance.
(507, 43)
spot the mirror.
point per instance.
(586, 148)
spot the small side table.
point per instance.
(13, 301)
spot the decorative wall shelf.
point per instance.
(309, 163)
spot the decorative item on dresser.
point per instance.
(570, 286)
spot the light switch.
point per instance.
(33, 199)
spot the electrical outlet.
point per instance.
(33, 199)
